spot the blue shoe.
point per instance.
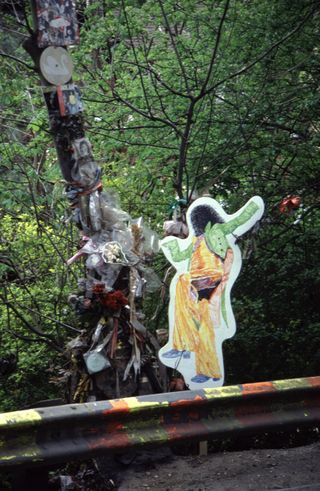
(199, 379)
(173, 353)
(215, 379)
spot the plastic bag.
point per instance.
(89, 248)
(94, 261)
(96, 360)
(176, 228)
(153, 281)
(132, 258)
(138, 286)
(150, 241)
(109, 274)
(108, 214)
(113, 216)
(84, 212)
(111, 197)
(137, 235)
(95, 211)
(123, 237)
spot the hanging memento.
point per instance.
(112, 253)
(51, 98)
(69, 100)
(208, 262)
(56, 65)
(85, 171)
(57, 23)
(96, 361)
(63, 100)
(82, 150)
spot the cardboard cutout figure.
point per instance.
(208, 262)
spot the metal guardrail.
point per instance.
(64, 433)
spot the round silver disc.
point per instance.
(56, 65)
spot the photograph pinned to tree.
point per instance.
(207, 264)
(82, 149)
(63, 100)
(57, 23)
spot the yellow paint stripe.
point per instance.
(19, 418)
(295, 383)
(228, 391)
(134, 404)
(33, 453)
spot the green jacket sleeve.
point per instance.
(216, 234)
(176, 253)
(248, 212)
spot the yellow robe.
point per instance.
(195, 320)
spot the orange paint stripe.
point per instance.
(314, 381)
(118, 405)
(115, 437)
(61, 101)
(258, 388)
(187, 402)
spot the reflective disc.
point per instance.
(56, 65)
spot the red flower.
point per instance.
(114, 301)
(98, 288)
(289, 203)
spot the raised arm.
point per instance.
(249, 210)
(176, 253)
(216, 235)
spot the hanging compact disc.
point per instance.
(56, 65)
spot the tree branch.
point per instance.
(32, 328)
(261, 57)
(174, 46)
(158, 78)
(119, 98)
(6, 55)
(136, 58)
(183, 151)
(215, 49)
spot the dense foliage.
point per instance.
(181, 98)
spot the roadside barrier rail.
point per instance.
(57, 434)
